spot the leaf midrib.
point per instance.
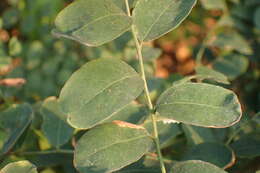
(157, 19)
(105, 88)
(97, 19)
(115, 143)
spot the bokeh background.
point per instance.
(34, 64)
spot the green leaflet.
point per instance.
(19, 167)
(231, 40)
(200, 104)
(110, 147)
(55, 126)
(153, 19)
(232, 65)
(207, 73)
(14, 121)
(196, 166)
(98, 90)
(92, 22)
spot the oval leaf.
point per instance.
(196, 166)
(110, 147)
(92, 22)
(19, 167)
(98, 90)
(200, 104)
(57, 133)
(153, 18)
(215, 153)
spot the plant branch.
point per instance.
(149, 101)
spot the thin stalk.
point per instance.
(148, 98)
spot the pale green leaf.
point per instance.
(153, 18)
(196, 166)
(57, 133)
(110, 147)
(207, 73)
(200, 104)
(19, 167)
(92, 22)
(98, 90)
(215, 153)
(14, 121)
(213, 4)
(15, 47)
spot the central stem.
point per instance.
(147, 95)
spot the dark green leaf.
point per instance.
(257, 18)
(247, 146)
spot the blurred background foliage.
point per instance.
(223, 35)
